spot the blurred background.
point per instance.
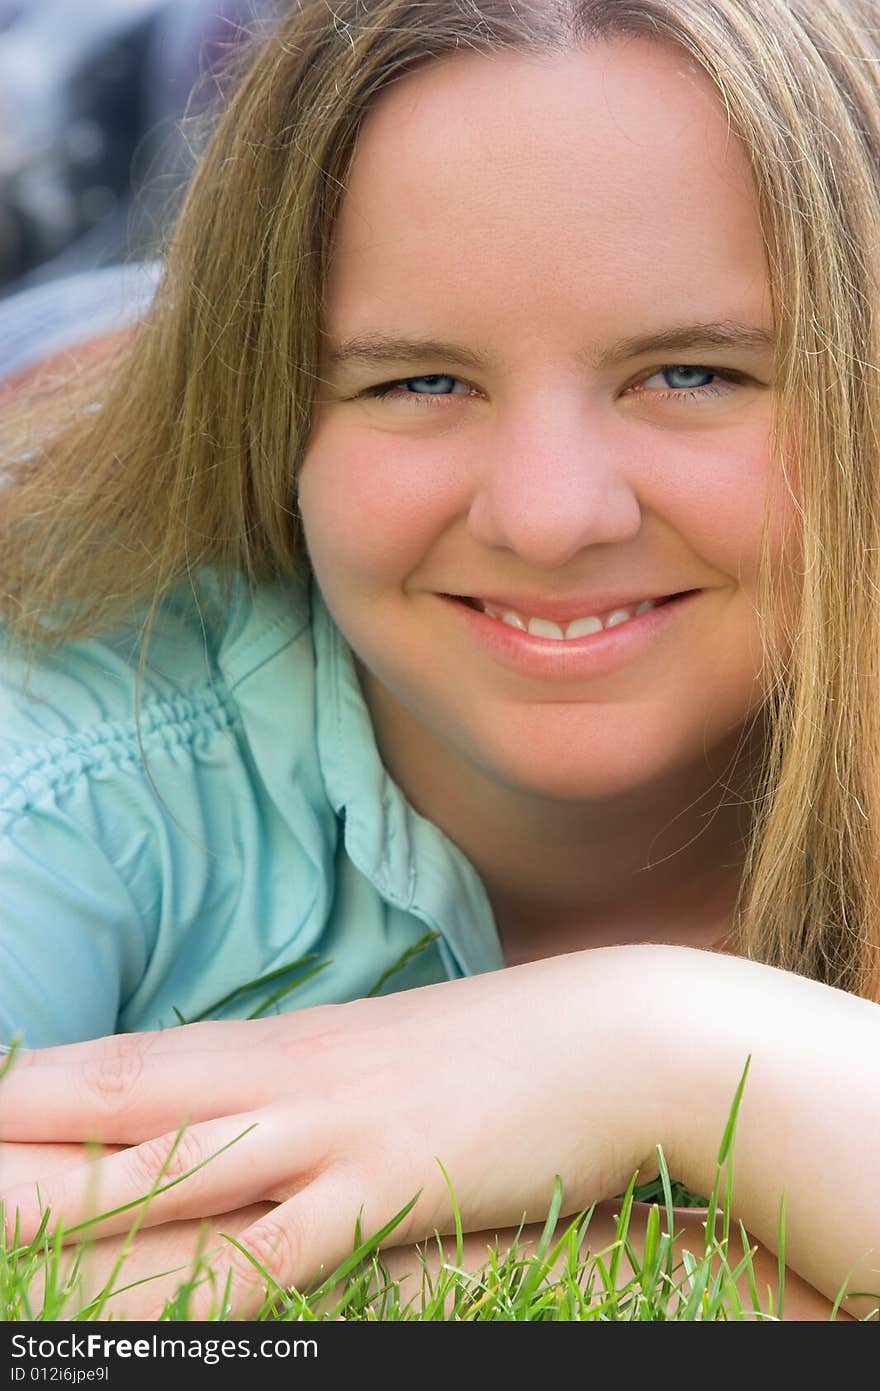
(91, 96)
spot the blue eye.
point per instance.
(691, 372)
(683, 384)
(434, 384)
(436, 387)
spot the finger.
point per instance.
(129, 1087)
(136, 1279)
(299, 1241)
(213, 1035)
(215, 1167)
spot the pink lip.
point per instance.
(548, 658)
(564, 611)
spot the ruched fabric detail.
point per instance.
(104, 751)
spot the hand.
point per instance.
(507, 1078)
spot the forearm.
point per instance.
(809, 1122)
(581, 1065)
(165, 1255)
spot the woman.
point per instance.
(632, 280)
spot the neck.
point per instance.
(660, 862)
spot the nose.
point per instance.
(552, 483)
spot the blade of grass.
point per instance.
(286, 989)
(750, 1271)
(841, 1293)
(543, 1259)
(699, 1282)
(622, 1230)
(456, 1215)
(8, 1052)
(257, 1264)
(100, 1299)
(407, 956)
(364, 1250)
(668, 1206)
(255, 984)
(648, 1273)
(724, 1152)
(552, 1218)
(780, 1254)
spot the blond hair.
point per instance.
(191, 462)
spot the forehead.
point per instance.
(599, 179)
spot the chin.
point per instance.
(573, 780)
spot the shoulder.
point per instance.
(143, 826)
(84, 706)
(94, 711)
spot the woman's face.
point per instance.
(539, 222)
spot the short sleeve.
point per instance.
(74, 830)
(73, 943)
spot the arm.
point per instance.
(809, 1121)
(596, 1057)
(173, 1247)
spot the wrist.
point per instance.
(676, 1039)
(629, 1062)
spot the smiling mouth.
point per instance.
(573, 629)
(477, 605)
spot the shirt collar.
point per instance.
(411, 862)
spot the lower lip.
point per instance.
(570, 658)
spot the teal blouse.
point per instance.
(254, 826)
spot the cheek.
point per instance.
(726, 506)
(373, 505)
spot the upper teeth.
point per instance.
(578, 628)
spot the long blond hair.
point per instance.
(191, 460)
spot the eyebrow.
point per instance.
(380, 349)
